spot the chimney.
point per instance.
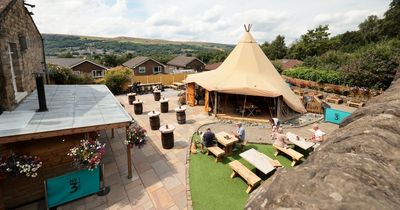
(40, 92)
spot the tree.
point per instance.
(315, 42)
(117, 79)
(277, 49)
(390, 24)
(370, 29)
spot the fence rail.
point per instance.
(165, 79)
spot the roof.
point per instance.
(247, 71)
(212, 66)
(72, 108)
(70, 62)
(182, 61)
(289, 63)
(136, 61)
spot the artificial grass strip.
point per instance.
(210, 183)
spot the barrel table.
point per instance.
(138, 106)
(154, 118)
(167, 136)
(164, 105)
(157, 95)
(180, 114)
(131, 98)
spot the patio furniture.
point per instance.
(227, 141)
(217, 152)
(296, 156)
(138, 106)
(260, 161)
(355, 103)
(334, 99)
(167, 136)
(238, 168)
(131, 98)
(299, 92)
(164, 105)
(157, 95)
(180, 114)
(154, 118)
(299, 141)
(316, 94)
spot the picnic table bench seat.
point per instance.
(356, 104)
(296, 156)
(251, 179)
(217, 152)
(334, 99)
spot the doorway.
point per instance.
(13, 55)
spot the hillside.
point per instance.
(56, 44)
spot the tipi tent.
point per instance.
(247, 71)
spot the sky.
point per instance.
(219, 21)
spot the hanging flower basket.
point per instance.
(15, 165)
(88, 154)
(136, 136)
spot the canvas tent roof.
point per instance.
(247, 71)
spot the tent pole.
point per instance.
(279, 108)
(244, 105)
(215, 104)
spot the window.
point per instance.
(157, 69)
(22, 42)
(142, 69)
(97, 73)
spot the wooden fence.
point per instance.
(165, 79)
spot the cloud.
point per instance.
(200, 20)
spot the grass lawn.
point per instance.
(210, 182)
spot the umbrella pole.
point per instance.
(244, 105)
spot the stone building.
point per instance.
(21, 53)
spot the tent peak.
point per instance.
(247, 38)
(248, 27)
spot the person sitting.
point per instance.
(240, 134)
(281, 139)
(318, 135)
(208, 139)
(274, 131)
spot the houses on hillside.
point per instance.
(185, 62)
(21, 53)
(79, 65)
(142, 65)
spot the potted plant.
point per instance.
(88, 154)
(136, 136)
(15, 165)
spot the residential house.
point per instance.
(212, 66)
(184, 62)
(142, 65)
(21, 53)
(289, 63)
(79, 65)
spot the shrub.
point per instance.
(317, 75)
(63, 76)
(117, 79)
(278, 66)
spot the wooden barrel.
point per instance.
(164, 105)
(181, 115)
(138, 107)
(131, 98)
(154, 119)
(157, 95)
(167, 136)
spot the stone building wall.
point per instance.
(16, 26)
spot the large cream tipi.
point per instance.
(247, 71)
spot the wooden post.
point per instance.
(215, 104)
(244, 105)
(112, 132)
(128, 155)
(279, 108)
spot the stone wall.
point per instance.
(16, 24)
(357, 168)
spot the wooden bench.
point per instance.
(251, 179)
(299, 92)
(217, 152)
(296, 156)
(334, 99)
(356, 104)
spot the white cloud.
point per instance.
(200, 20)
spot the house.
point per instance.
(79, 65)
(289, 63)
(21, 53)
(212, 66)
(142, 65)
(184, 62)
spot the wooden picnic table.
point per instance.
(227, 141)
(260, 161)
(300, 141)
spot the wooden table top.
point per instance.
(301, 142)
(258, 160)
(226, 141)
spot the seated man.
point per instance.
(208, 139)
(281, 139)
(318, 135)
(240, 134)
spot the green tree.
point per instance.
(277, 49)
(391, 21)
(370, 28)
(315, 42)
(117, 79)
